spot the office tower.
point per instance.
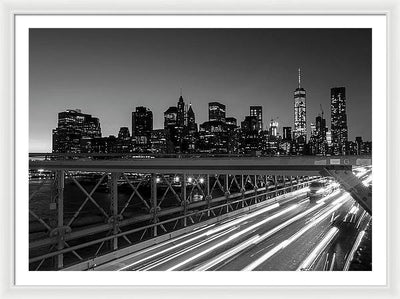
(232, 135)
(172, 130)
(190, 132)
(329, 138)
(231, 121)
(124, 142)
(250, 137)
(180, 118)
(338, 120)
(170, 117)
(359, 143)
(249, 124)
(320, 133)
(273, 128)
(285, 145)
(287, 133)
(191, 120)
(75, 132)
(216, 112)
(142, 124)
(158, 141)
(123, 133)
(256, 111)
(313, 129)
(300, 126)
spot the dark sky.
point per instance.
(108, 72)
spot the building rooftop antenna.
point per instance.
(322, 111)
(299, 77)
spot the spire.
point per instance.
(299, 77)
(180, 97)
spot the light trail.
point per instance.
(328, 197)
(353, 250)
(287, 223)
(297, 235)
(232, 238)
(206, 234)
(367, 181)
(309, 261)
(361, 218)
(185, 250)
(195, 231)
(332, 262)
(242, 219)
(222, 257)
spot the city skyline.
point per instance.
(245, 84)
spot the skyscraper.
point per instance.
(216, 112)
(250, 139)
(190, 132)
(191, 120)
(124, 144)
(300, 124)
(142, 125)
(321, 142)
(257, 112)
(273, 128)
(181, 112)
(338, 120)
(75, 132)
(171, 128)
(231, 121)
(287, 133)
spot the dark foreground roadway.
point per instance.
(295, 234)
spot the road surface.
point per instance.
(294, 234)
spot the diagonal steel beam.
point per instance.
(90, 197)
(76, 214)
(40, 220)
(136, 189)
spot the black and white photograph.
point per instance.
(200, 149)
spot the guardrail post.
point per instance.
(255, 189)
(265, 180)
(291, 183)
(242, 189)
(184, 198)
(60, 216)
(226, 187)
(208, 195)
(114, 208)
(154, 201)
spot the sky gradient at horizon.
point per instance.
(109, 72)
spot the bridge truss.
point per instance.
(85, 212)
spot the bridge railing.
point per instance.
(78, 215)
(141, 155)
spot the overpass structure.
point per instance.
(166, 196)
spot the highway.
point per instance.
(292, 234)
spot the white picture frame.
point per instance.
(11, 9)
